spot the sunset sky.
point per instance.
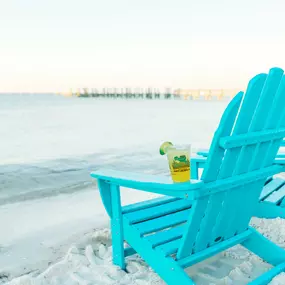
(54, 45)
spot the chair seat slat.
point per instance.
(276, 196)
(166, 235)
(158, 211)
(170, 247)
(147, 204)
(270, 187)
(162, 222)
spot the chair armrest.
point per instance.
(203, 152)
(150, 183)
(198, 158)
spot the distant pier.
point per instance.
(154, 93)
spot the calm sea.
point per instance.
(50, 143)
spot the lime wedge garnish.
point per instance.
(163, 148)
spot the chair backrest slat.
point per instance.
(246, 140)
(217, 153)
(276, 114)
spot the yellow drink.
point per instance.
(179, 163)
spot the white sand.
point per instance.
(89, 257)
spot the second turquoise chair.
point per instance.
(272, 198)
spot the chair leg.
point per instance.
(117, 228)
(264, 248)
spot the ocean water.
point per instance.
(49, 143)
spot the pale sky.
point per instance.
(54, 45)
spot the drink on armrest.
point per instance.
(178, 159)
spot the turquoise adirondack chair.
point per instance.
(198, 219)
